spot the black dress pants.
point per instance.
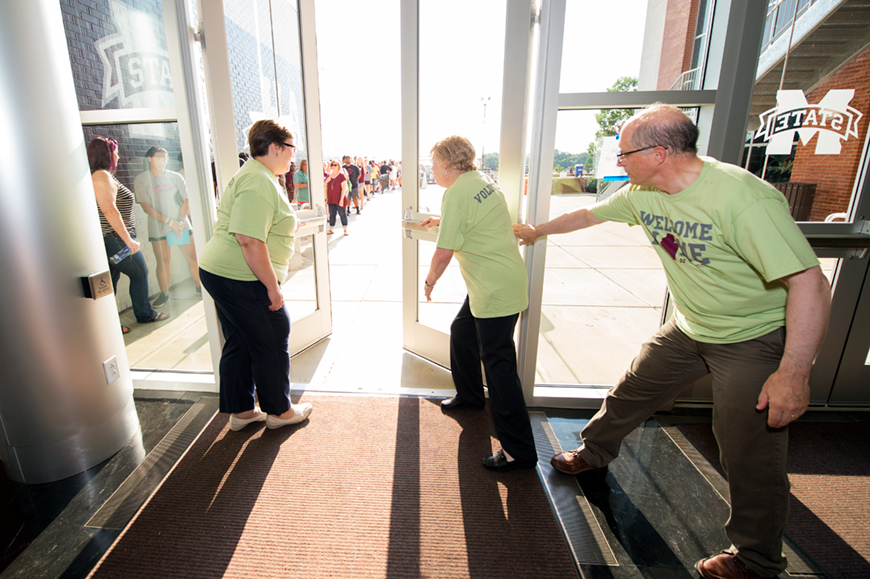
(491, 341)
(256, 353)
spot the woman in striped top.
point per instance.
(115, 205)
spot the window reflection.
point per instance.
(809, 107)
(180, 342)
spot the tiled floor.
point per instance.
(653, 512)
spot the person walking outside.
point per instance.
(336, 196)
(353, 174)
(300, 183)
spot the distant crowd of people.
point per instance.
(351, 181)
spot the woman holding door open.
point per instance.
(475, 227)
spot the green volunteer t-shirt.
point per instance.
(253, 204)
(724, 242)
(475, 223)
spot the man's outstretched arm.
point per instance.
(580, 219)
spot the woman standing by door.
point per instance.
(118, 223)
(163, 197)
(241, 268)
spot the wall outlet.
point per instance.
(110, 367)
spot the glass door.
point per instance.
(475, 89)
(261, 62)
(595, 295)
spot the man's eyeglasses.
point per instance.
(291, 145)
(627, 153)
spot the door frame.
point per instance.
(519, 24)
(212, 27)
(735, 43)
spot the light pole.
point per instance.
(484, 100)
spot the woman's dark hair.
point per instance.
(154, 150)
(101, 155)
(263, 134)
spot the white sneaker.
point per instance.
(240, 423)
(300, 413)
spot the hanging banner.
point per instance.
(832, 119)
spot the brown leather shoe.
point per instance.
(570, 462)
(725, 565)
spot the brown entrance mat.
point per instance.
(367, 487)
(829, 468)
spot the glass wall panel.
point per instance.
(265, 58)
(180, 342)
(594, 58)
(808, 120)
(460, 94)
(604, 287)
(300, 287)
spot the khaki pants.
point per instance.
(752, 454)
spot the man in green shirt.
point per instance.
(741, 274)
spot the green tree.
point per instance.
(490, 161)
(610, 120)
(563, 161)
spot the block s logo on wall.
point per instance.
(833, 119)
(135, 62)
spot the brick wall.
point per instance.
(677, 39)
(253, 65)
(835, 175)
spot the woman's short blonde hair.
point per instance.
(457, 152)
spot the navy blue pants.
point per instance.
(135, 268)
(342, 214)
(256, 355)
(491, 341)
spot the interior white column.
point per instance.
(59, 414)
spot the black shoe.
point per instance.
(499, 463)
(455, 404)
(161, 300)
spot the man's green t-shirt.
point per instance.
(254, 205)
(724, 242)
(476, 225)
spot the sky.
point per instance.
(461, 68)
